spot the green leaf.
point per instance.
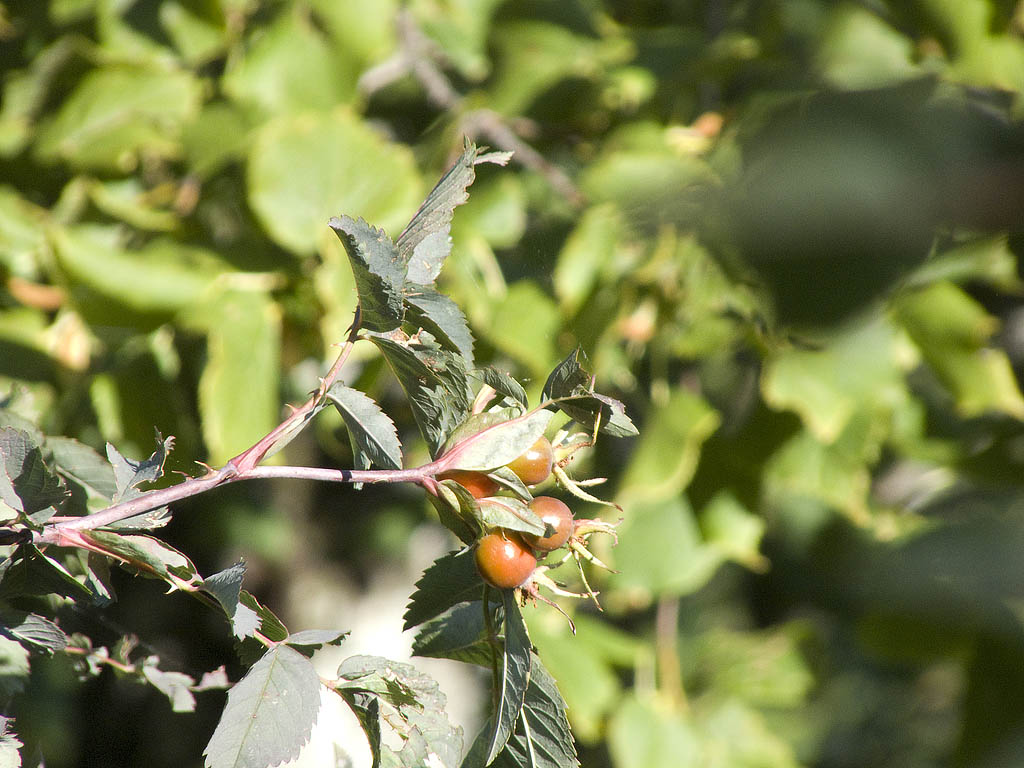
(952, 330)
(10, 757)
(148, 555)
(457, 510)
(161, 278)
(226, 587)
(238, 388)
(129, 474)
(435, 382)
(290, 68)
(303, 169)
(459, 633)
(269, 714)
(510, 514)
(116, 112)
(496, 446)
(426, 308)
(588, 251)
(308, 641)
(372, 433)
(379, 273)
(176, 686)
(542, 737)
(452, 579)
(503, 383)
(32, 629)
(250, 617)
(641, 734)
(395, 700)
(29, 572)
(571, 386)
(426, 242)
(198, 33)
(667, 453)
(79, 463)
(524, 326)
(26, 483)
(660, 551)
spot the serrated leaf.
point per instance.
(10, 757)
(426, 308)
(512, 679)
(435, 382)
(148, 555)
(269, 714)
(392, 699)
(250, 616)
(373, 435)
(503, 383)
(498, 445)
(309, 640)
(379, 273)
(176, 686)
(32, 629)
(29, 572)
(452, 579)
(459, 633)
(129, 474)
(425, 243)
(542, 738)
(509, 514)
(226, 587)
(83, 465)
(572, 389)
(27, 484)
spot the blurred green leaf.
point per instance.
(118, 112)
(524, 325)
(303, 169)
(290, 67)
(238, 388)
(642, 734)
(668, 449)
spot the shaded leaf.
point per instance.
(176, 686)
(512, 678)
(251, 616)
(269, 714)
(425, 243)
(435, 312)
(26, 483)
(435, 382)
(571, 387)
(147, 554)
(309, 640)
(226, 587)
(32, 629)
(459, 633)
(372, 434)
(129, 474)
(83, 465)
(452, 579)
(509, 514)
(503, 383)
(379, 273)
(29, 572)
(392, 700)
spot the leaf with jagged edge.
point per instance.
(128, 473)
(226, 587)
(379, 271)
(511, 681)
(435, 382)
(542, 738)
(452, 579)
(392, 699)
(27, 485)
(459, 633)
(426, 243)
(502, 383)
(31, 629)
(29, 572)
(269, 714)
(426, 308)
(372, 434)
(571, 389)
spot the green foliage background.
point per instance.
(786, 232)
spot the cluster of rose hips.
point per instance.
(506, 559)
